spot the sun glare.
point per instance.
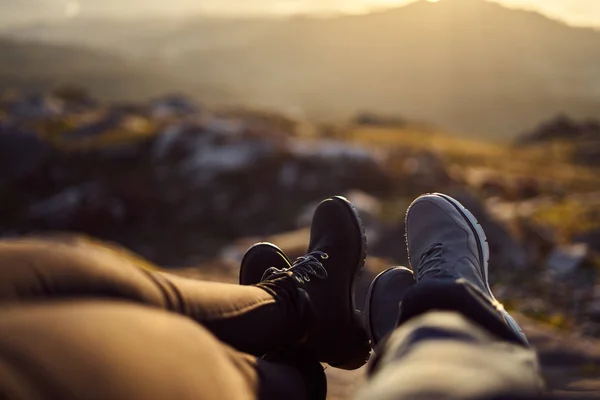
(72, 9)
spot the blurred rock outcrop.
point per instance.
(145, 175)
(21, 153)
(583, 135)
(563, 127)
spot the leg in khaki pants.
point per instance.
(81, 321)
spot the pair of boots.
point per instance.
(445, 243)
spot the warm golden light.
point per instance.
(576, 12)
(579, 12)
(72, 9)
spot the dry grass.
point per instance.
(550, 162)
(569, 217)
(133, 130)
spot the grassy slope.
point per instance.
(549, 161)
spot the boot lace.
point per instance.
(302, 269)
(431, 261)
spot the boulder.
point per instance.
(583, 135)
(593, 309)
(418, 173)
(369, 209)
(21, 153)
(173, 107)
(391, 244)
(86, 208)
(505, 252)
(590, 238)
(562, 127)
(378, 120)
(565, 260)
(37, 106)
(588, 153)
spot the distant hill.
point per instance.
(31, 66)
(12, 11)
(469, 65)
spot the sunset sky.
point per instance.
(577, 12)
(580, 12)
(586, 12)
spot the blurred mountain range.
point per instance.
(471, 66)
(16, 12)
(34, 66)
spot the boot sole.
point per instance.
(355, 364)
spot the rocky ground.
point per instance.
(184, 185)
